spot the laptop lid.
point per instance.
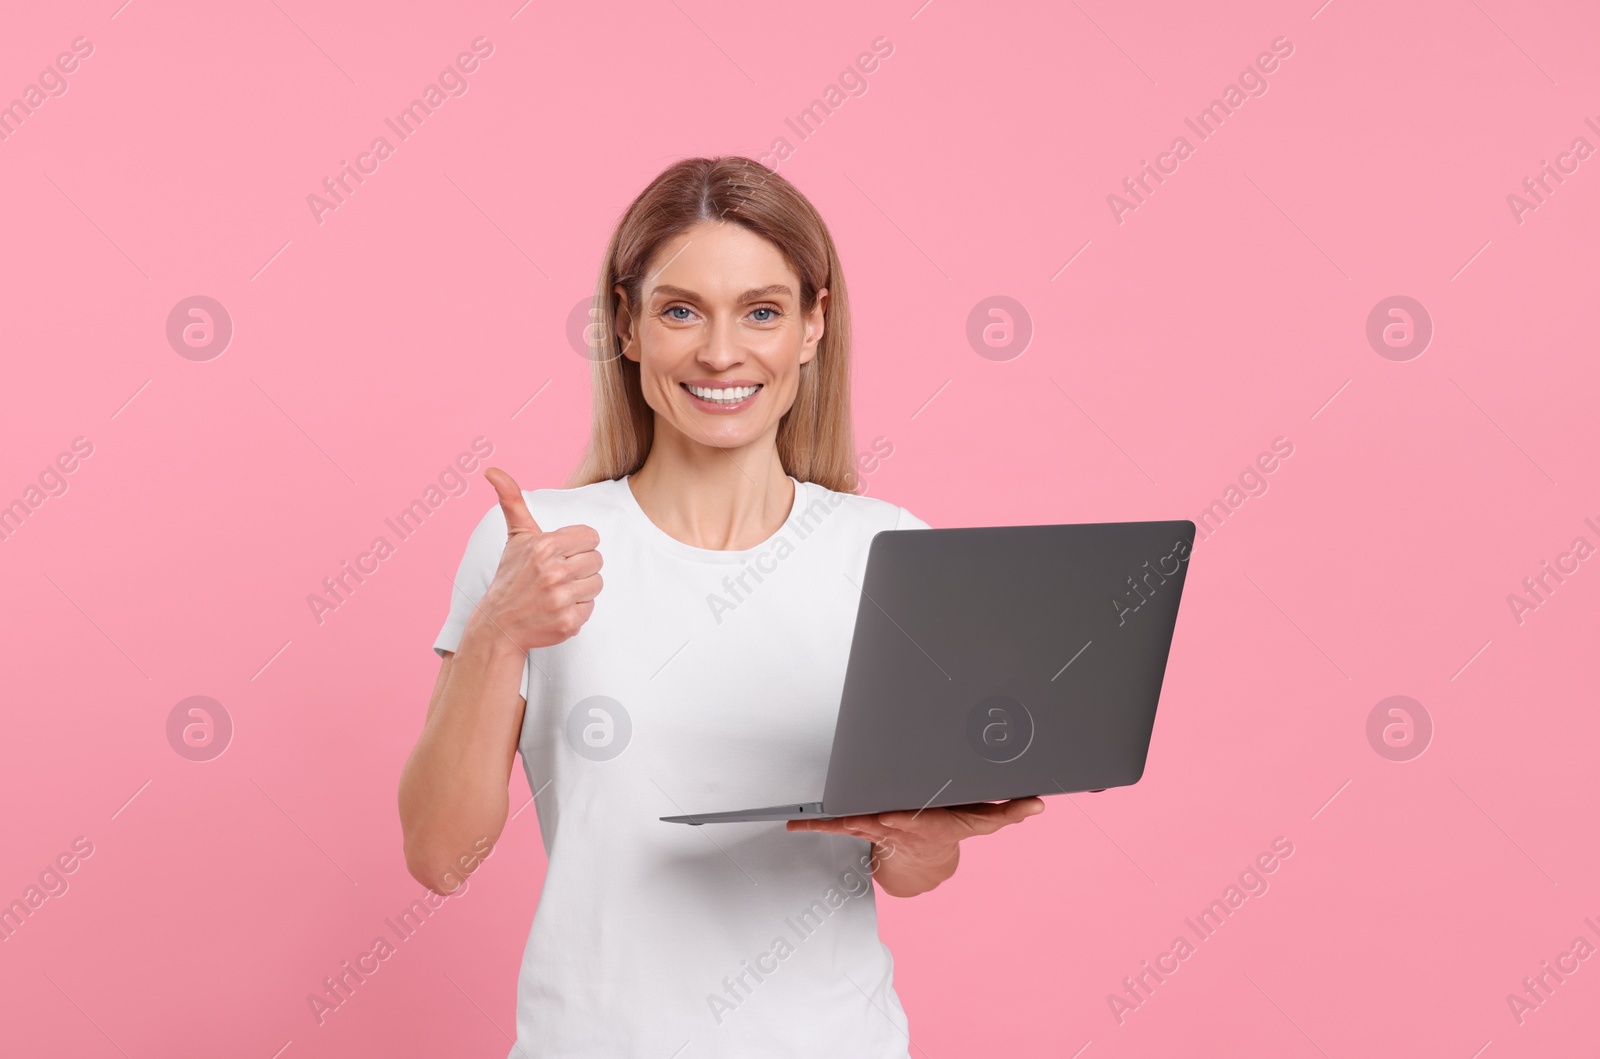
(1003, 662)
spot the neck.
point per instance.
(708, 497)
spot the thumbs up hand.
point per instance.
(544, 588)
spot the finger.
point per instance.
(863, 823)
(1026, 807)
(907, 820)
(584, 589)
(864, 826)
(987, 819)
(837, 827)
(576, 547)
(1016, 810)
(954, 821)
(935, 821)
(571, 540)
(832, 827)
(518, 517)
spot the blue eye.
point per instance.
(772, 311)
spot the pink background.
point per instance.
(1228, 310)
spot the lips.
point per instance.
(714, 395)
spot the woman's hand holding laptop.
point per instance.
(914, 852)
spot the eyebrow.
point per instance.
(769, 291)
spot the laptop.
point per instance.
(998, 662)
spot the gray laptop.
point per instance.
(999, 662)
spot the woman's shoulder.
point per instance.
(575, 503)
(875, 513)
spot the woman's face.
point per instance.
(719, 336)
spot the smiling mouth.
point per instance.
(730, 395)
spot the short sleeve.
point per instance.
(906, 520)
(476, 570)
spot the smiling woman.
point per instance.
(725, 223)
(721, 430)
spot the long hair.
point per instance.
(814, 437)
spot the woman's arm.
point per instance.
(914, 852)
(453, 788)
(453, 799)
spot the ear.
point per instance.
(627, 336)
(814, 327)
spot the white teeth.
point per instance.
(728, 395)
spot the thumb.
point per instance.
(518, 517)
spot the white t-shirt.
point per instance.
(704, 681)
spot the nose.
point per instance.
(721, 349)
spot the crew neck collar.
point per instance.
(665, 540)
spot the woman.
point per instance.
(719, 484)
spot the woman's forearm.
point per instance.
(453, 800)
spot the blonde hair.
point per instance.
(815, 442)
